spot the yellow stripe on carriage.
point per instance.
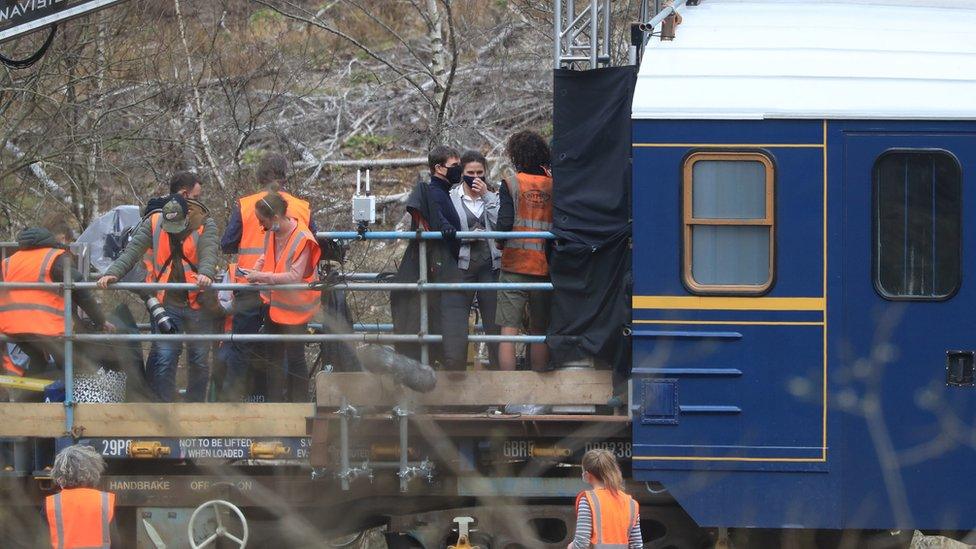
(729, 322)
(729, 303)
(731, 145)
(717, 458)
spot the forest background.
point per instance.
(129, 95)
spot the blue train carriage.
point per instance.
(804, 328)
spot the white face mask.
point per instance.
(583, 476)
(275, 227)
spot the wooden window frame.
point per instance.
(689, 221)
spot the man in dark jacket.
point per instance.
(425, 215)
(445, 173)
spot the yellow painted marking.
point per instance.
(688, 302)
(732, 145)
(24, 383)
(824, 443)
(704, 458)
(730, 322)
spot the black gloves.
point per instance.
(449, 232)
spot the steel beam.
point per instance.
(16, 20)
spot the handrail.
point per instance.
(293, 338)
(411, 235)
(648, 27)
(434, 235)
(354, 286)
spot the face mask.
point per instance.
(454, 174)
(275, 227)
(583, 476)
(469, 180)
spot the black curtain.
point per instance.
(590, 260)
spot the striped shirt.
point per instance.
(584, 529)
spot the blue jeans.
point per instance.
(164, 357)
(241, 358)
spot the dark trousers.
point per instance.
(287, 370)
(38, 349)
(241, 358)
(456, 309)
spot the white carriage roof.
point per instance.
(875, 59)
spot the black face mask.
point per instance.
(454, 174)
(469, 180)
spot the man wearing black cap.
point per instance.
(184, 245)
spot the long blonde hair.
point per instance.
(603, 465)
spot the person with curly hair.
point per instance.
(525, 206)
(80, 515)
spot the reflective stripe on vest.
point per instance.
(253, 239)
(161, 256)
(532, 198)
(524, 244)
(34, 311)
(611, 536)
(293, 307)
(80, 521)
(59, 520)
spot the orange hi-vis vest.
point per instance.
(80, 518)
(253, 238)
(613, 517)
(532, 196)
(294, 307)
(30, 311)
(161, 263)
(8, 364)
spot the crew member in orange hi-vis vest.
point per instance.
(80, 516)
(180, 242)
(606, 517)
(290, 256)
(525, 206)
(34, 316)
(247, 238)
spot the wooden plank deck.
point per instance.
(484, 388)
(158, 420)
(469, 389)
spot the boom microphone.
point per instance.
(379, 359)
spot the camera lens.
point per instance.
(164, 324)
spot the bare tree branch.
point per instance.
(198, 103)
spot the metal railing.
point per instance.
(422, 286)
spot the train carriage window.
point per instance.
(917, 224)
(728, 222)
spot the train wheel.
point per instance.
(397, 540)
(671, 528)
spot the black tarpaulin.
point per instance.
(590, 260)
